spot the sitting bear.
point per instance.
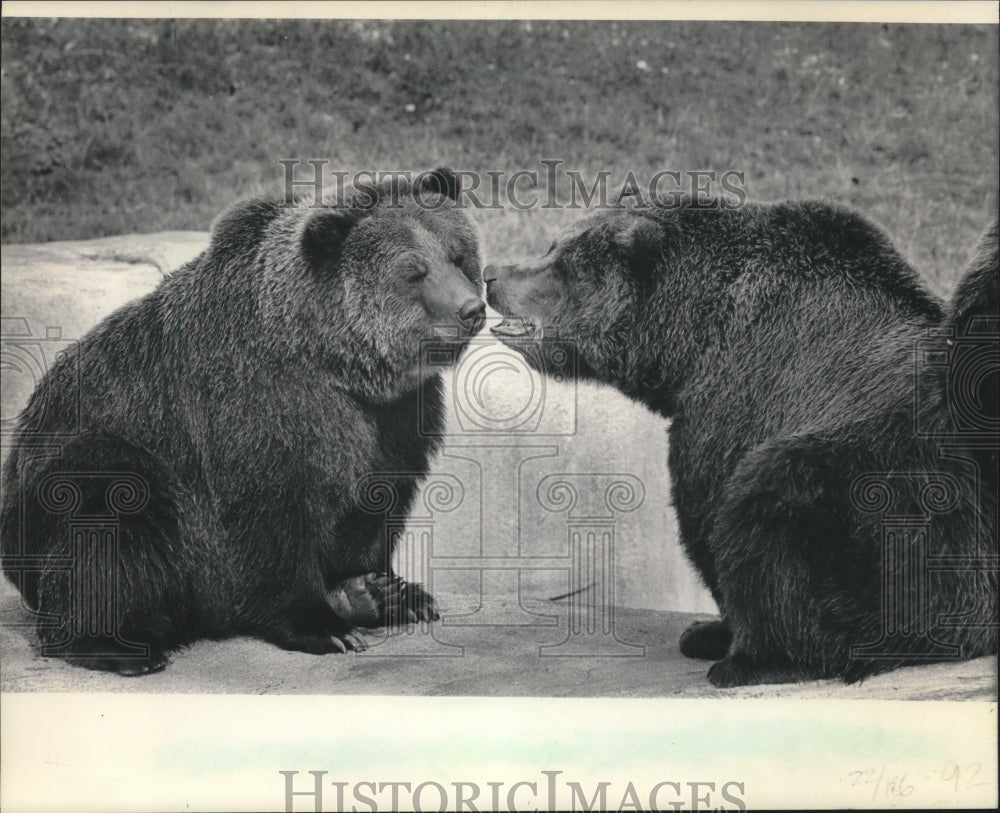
(827, 491)
(226, 420)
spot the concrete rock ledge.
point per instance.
(162, 250)
(455, 657)
(72, 285)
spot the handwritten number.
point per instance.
(950, 773)
(974, 766)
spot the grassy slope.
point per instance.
(120, 126)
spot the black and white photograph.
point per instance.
(499, 406)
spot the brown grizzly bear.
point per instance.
(225, 421)
(843, 517)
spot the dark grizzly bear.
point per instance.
(228, 417)
(844, 521)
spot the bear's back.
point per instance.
(760, 250)
(816, 320)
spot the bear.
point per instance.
(226, 422)
(974, 312)
(843, 520)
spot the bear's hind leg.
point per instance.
(105, 520)
(792, 579)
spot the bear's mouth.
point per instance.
(514, 327)
(446, 332)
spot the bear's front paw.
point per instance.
(417, 604)
(368, 600)
(707, 640)
(376, 599)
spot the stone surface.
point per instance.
(458, 657)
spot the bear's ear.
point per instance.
(244, 223)
(442, 181)
(642, 241)
(324, 233)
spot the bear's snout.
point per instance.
(492, 277)
(472, 315)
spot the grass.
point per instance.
(121, 126)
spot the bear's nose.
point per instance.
(472, 314)
(489, 274)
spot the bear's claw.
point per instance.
(377, 599)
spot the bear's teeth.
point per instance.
(513, 327)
